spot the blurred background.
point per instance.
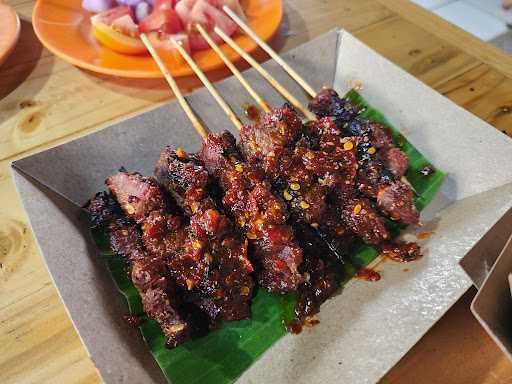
(489, 20)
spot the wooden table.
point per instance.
(45, 101)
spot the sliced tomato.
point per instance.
(209, 17)
(109, 16)
(126, 25)
(163, 41)
(164, 4)
(161, 20)
(166, 48)
(184, 9)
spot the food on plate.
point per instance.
(118, 24)
(282, 210)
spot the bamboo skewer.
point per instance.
(262, 103)
(203, 132)
(263, 72)
(273, 54)
(225, 107)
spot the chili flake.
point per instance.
(180, 152)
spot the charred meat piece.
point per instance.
(149, 275)
(378, 139)
(362, 219)
(226, 284)
(396, 200)
(302, 175)
(372, 175)
(102, 209)
(310, 179)
(212, 269)
(271, 145)
(258, 212)
(273, 132)
(321, 277)
(137, 195)
(298, 185)
(328, 103)
(186, 180)
(380, 162)
(395, 160)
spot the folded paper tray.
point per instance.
(363, 331)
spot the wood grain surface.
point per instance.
(44, 101)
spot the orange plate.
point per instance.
(9, 30)
(64, 28)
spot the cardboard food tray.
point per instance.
(492, 305)
(364, 330)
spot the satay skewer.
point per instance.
(282, 248)
(273, 54)
(278, 59)
(259, 100)
(266, 75)
(207, 83)
(201, 130)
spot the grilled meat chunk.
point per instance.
(148, 272)
(228, 266)
(150, 277)
(316, 181)
(396, 200)
(138, 196)
(102, 209)
(380, 163)
(321, 277)
(328, 103)
(259, 213)
(362, 219)
(395, 160)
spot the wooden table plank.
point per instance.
(45, 101)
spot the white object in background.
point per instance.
(493, 7)
(432, 4)
(473, 20)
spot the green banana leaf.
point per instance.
(223, 355)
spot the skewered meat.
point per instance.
(148, 273)
(191, 266)
(230, 269)
(208, 268)
(309, 177)
(360, 217)
(381, 163)
(260, 214)
(137, 196)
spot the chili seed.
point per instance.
(287, 196)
